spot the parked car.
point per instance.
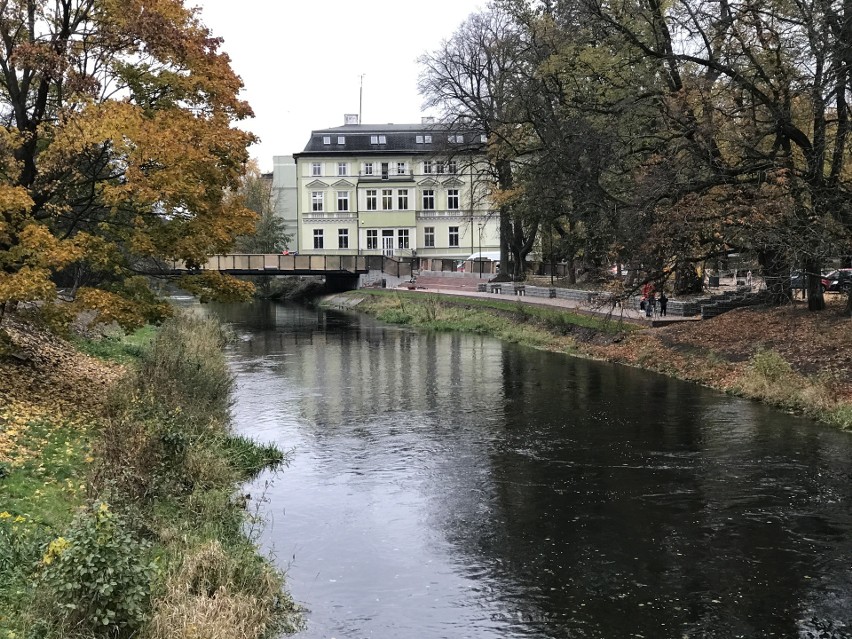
(839, 280)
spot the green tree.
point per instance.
(269, 235)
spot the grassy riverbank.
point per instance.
(784, 356)
(117, 484)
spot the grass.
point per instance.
(535, 326)
(165, 462)
(122, 349)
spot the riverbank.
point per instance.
(118, 483)
(784, 356)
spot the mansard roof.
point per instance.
(399, 139)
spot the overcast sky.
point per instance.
(301, 62)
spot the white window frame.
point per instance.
(372, 239)
(429, 236)
(387, 199)
(326, 139)
(428, 196)
(402, 199)
(341, 139)
(427, 167)
(319, 240)
(453, 236)
(368, 168)
(343, 200)
(316, 169)
(453, 199)
(374, 139)
(427, 139)
(342, 169)
(372, 200)
(383, 139)
(402, 238)
(400, 168)
(343, 238)
(452, 167)
(439, 167)
(317, 201)
(418, 139)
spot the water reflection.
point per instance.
(454, 486)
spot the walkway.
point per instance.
(467, 287)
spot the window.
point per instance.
(382, 139)
(427, 166)
(429, 236)
(451, 167)
(374, 139)
(427, 139)
(316, 168)
(317, 199)
(387, 199)
(428, 199)
(341, 139)
(418, 139)
(343, 168)
(318, 243)
(372, 239)
(440, 167)
(402, 239)
(483, 138)
(400, 168)
(453, 199)
(402, 199)
(455, 139)
(371, 199)
(343, 200)
(343, 238)
(385, 170)
(454, 236)
(326, 139)
(368, 168)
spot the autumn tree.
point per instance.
(755, 117)
(117, 143)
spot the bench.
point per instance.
(496, 288)
(520, 289)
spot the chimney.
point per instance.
(350, 118)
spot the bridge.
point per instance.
(341, 271)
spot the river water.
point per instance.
(448, 485)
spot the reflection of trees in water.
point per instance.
(612, 512)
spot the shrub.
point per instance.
(94, 577)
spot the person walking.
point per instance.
(664, 301)
(651, 304)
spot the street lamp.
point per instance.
(552, 260)
(480, 250)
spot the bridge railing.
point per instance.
(282, 263)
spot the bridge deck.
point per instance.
(279, 264)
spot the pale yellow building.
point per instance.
(400, 190)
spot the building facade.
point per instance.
(399, 190)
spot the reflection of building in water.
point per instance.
(388, 370)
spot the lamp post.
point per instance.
(480, 250)
(552, 258)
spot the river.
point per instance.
(450, 485)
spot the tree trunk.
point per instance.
(816, 301)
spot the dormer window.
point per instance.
(427, 139)
(326, 139)
(374, 139)
(419, 139)
(341, 139)
(383, 139)
(483, 138)
(455, 139)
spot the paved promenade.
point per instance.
(467, 287)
